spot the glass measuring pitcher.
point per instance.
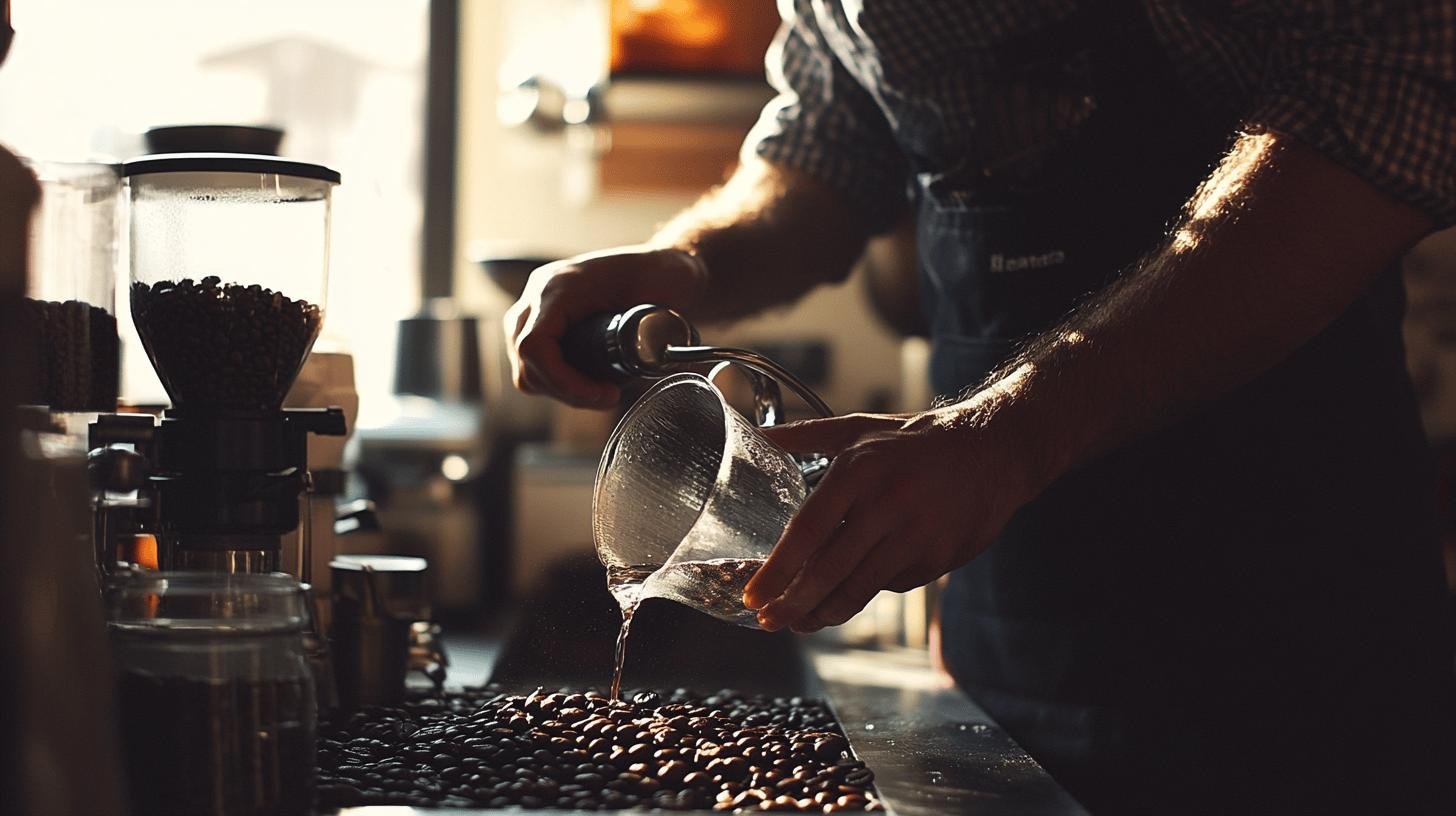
(689, 500)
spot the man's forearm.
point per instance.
(1277, 243)
(767, 236)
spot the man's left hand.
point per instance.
(905, 501)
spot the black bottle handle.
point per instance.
(589, 346)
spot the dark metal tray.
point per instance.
(932, 749)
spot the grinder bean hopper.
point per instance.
(229, 265)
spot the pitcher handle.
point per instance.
(768, 399)
(768, 410)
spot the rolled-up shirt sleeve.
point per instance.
(825, 124)
(1372, 85)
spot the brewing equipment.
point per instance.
(229, 264)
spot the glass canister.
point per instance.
(229, 269)
(70, 304)
(216, 700)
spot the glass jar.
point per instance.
(215, 696)
(70, 303)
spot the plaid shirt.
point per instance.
(872, 92)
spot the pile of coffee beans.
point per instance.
(223, 346)
(582, 751)
(77, 355)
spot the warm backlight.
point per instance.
(691, 36)
(144, 551)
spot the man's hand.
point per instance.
(562, 293)
(769, 234)
(904, 502)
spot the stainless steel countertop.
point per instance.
(933, 750)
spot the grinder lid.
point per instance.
(226, 163)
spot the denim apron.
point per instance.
(1243, 612)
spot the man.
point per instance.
(1190, 528)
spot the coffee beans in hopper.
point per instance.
(582, 751)
(76, 353)
(220, 345)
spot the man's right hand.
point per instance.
(772, 233)
(560, 294)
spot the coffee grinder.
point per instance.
(229, 266)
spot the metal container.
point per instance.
(378, 602)
(439, 355)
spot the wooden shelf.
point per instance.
(668, 156)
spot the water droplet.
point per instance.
(869, 726)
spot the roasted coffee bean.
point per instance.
(791, 787)
(673, 772)
(589, 781)
(624, 731)
(697, 779)
(829, 747)
(647, 698)
(734, 768)
(639, 752)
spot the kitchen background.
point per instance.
(501, 130)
